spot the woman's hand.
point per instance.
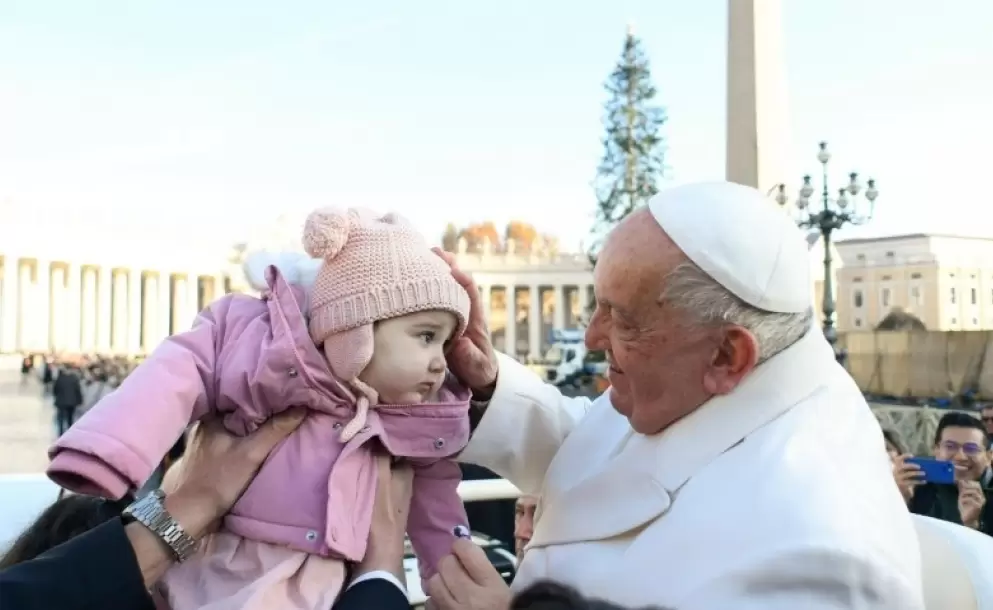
(202, 488)
(217, 467)
(384, 552)
(471, 357)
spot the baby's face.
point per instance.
(408, 360)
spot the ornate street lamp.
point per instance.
(833, 214)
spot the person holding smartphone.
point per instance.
(961, 440)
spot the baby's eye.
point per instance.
(428, 336)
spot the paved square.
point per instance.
(26, 423)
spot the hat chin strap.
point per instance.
(367, 398)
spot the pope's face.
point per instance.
(657, 359)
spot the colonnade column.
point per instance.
(192, 305)
(510, 329)
(134, 311)
(150, 334)
(24, 306)
(558, 319)
(164, 313)
(485, 298)
(43, 302)
(57, 309)
(74, 295)
(119, 335)
(104, 314)
(8, 305)
(534, 322)
(88, 315)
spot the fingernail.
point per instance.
(462, 531)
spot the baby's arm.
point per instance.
(117, 445)
(435, 511)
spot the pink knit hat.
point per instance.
(375, 268)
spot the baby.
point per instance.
(358, 336)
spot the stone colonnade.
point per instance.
(73, 308)
(527, 295)
(535, 319)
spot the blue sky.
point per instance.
(230, 113)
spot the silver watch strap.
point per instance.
(151, 512)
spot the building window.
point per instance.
(887, 278)
(915, 296)
(856, 280)
(975, 322)
(951, 275)
(952, 293)
(858, 322)
(955, 321)
(857, 299)
(973, 296)
(890, 254)
(860, 257)
(885, 297)
(915, 276)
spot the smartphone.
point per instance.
(935, 471)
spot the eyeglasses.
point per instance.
(970, 449)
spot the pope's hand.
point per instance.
(471, 357)
(466, 580)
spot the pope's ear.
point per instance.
(735, 357)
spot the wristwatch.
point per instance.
(150, 512)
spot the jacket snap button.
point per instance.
(292, 372)
(337, 426)
(439, 443)
(311, 535)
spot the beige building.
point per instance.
(945, 280)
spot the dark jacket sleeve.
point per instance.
(374, 593)
(94, 571)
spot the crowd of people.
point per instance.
(75, 382)
(732, 464)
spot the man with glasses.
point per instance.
(962, 440)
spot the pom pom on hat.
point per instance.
(325, 232)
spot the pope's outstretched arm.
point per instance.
(522, 426)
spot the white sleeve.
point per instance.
(525, 423)
(378, 574)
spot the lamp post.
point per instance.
(833, 214)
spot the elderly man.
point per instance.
(733, 463)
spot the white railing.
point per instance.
(488, 489)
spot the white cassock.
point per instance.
(778, 496)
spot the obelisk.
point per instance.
(757, 119)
